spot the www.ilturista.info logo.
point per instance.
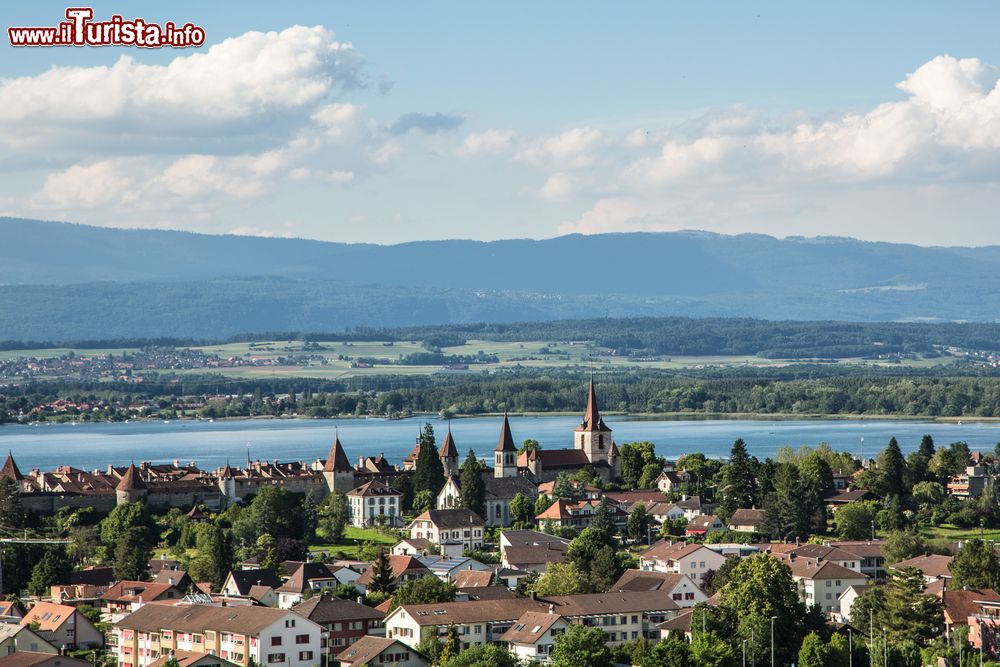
(81, 30)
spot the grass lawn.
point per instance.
(950, 533)
(353, 539)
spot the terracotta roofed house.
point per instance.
(62, 625)
(459, 527)
(374, 651)
(533, 635)
(932, 566)
(404, 569)
(345, 621)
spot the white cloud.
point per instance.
(569, 149)
(488, 142)
(557, 187)
(87, 186)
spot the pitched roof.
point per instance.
(367, 648)
(328, 609)
(530, 627)
(451, 518)
(592, 417)
(336, 460)
(399, 565)
(817, 568)
(448, 448)
(185, 658)
(746, 517)
(93, 576)
(960, 604)
(615, 602)
(824, 551)
(30, 659)
(306, 572)
(374, 488)
(472, 611)
(641, 580)
(147, 591)
(506, 441)
(49, 615)
(130, 481)
(473, 578)
(244, 580)
(667, 550)
(681, 622)
(244, 619)
(931, 565)
(551, 552)
(10, 469)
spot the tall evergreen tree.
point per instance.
(54, 568)
(739, 483)
(893, 467)
(132, 554)
(603, 518)
(221, 556)
(975, 566)
(926, 447)
(310, 517)
(382, 580)
(428, 475)
(787, 513)
(473, 488)
(11, 511)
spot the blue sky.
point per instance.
(475, 120)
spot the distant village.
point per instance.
(556, 549)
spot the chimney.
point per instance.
(533, 595)
(552, 609)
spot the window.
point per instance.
(301, 639)
(305, 655)
(276, 641)
(276, 657)
(289, 622)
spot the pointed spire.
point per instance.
(592, 418)
(506, 441)
(336, 460)
(10, 468)
(130, 480)
(448, 449)
(227, 472)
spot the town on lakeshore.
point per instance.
(595, 554)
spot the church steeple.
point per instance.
(592, 435)
(505, 454)
(449, 455)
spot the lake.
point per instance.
(211, 444)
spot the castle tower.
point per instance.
(592, 436)
(227, 485)
(505, 454)
(11, 470)
(449, 455)
(337, 472)
(131, 488)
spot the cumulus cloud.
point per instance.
(558, 186)
(240, 85)
(570, 149)
(488, 142)
(428, 123)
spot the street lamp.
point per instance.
(753, 648)
(850, 648)
(744, 653)
(772, 640)
(885, 649)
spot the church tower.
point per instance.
(449, 455)
(593, 436)
(337, 471)
(505, 454)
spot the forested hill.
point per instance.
(66, 281)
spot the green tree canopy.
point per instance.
(473, 488)
(428, 474)
(581, 646)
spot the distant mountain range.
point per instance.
(64, 281)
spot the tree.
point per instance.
(739, 483)
(425, 590)
(221, 555)
(564, 487)
(310, 517)
(854, 520)
(813, 652)
(893, 468)
(484, 655)
(634, 457)
(473, 489)
(787, 513)
(451, 645)
(334, 515)
(428, 475)
(521, 509)
(382, 579)
(638, 523)
(528, 445)
(559, 579)
(11, 511)
(975, 566)
(602, 519)
(124, 518)
(761, 587)
(710, 650)
(581, 646)
(902, 545)
(423, 500)
(132, 555)
(838, 651)
(670, 652)
(541, 504)
(54, 568)
(715, 580)
(817, 481)
(595, 557)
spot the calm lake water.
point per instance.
(210, 444)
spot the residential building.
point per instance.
(679, 587)
(700, 526)
(933, 566)
(378, 651)
(822, 582)
(374, 503)
(404, 569)
(746, 520)
(533, 635)
(500, 492)
(14, 637)
(446, 567)
(846, 601)
(691, 559)
(240, 582)
(127, 596)
(459, 527)
(30, 659)
(307, 578)
(344, 621)
(192, 659)
(238, 634)
(62, 625)
(410, 546)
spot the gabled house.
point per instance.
(533, 635)
(14, 638)
(678, 587)
(459, 528)
(343, 621)
(127, 596)
(377, 651)
(404, 569)
(62, 625)
(691, 559)
(746, 520)
(700, 526)
(240, 582)
(307, 578)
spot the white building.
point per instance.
(374, 503)
(822, 582)
(692, 559)
(533, 635)
(274, 637)
(460, 527)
